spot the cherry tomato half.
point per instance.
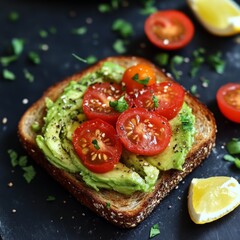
(138, 76)
(169, 29)
(96, 101)
(228, 99)
(165, 98)
(97, 145)
(143, 132)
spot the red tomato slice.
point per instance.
(97, 145)
(96, 101)
(143, 132)
(228, 99)
(169, 29)
(165, 98)
(137, 77)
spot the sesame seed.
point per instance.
(10, 184)
(4, 120)
(89, 20)
(14, 211)
(25, 101)
(44, 47)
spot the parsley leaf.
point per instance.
(216, 62)
(122, 27)
(95, 144)
(154, 231)
(148, 7)
(233, 146)
(6, 60)
(187, 123)
(28, 75)
(29, 173)
(155, 101)
(34, 57)
(13, 16)
(141, 81)
(197, 61)
(8, 75)
(79, 31)
(162, 59)
(176, 60)
(119, 46)
(119, 105)
(51, 198)
(17, 45)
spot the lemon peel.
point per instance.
(219, 17)
(212, 198)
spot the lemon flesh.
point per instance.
(211, 198)
(220, 17)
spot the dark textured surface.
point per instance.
(65, 218)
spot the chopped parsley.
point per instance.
(154, 231)
(8, 75)
(141, 81)
(148, 7)
(162, 59)
(79, 31)
(108, 7)
(108, 205)
(6, 60)
(176, 60)
(233, 148)
(95, 144)
(50, 198)
(155, 101)
(28, 75)
(17, 46)
(43, 33)
(122, 27)
(193, 89)
(216, 62)
(197, 61)
(34, 57)
(22, 161)
(187, 123)
(119, 105)
(119, 46)
(13, 16)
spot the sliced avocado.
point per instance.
(137, 163)
(173, 157)
(112, 71)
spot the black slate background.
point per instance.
(65, 218)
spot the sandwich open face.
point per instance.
(107, 135)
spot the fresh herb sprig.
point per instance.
(233, 148)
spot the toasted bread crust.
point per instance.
(123, 211)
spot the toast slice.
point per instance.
(121, 210)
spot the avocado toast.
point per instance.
(125, 209)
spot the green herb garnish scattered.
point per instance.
(6, 60)
(122, 27)
(108, 205)
(79, 31)
(51, 198)
(176, 60)
(28, 75)
(29, 171)
(91, 59)
(155, 101)
(79, 58)
(43, 33)
(148, 7)
(119, 46)
(13, 16)
(187, 123)
(34, 57)
(119, 105)
(216, 62)
(193, 89)
(197, 61)
(95, 144)
(17, 46)
(233, 146)
(141, 81)
(8, 75)
(162, 59)
(154, 231)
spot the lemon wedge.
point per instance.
(219, 17)
(211, 198)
